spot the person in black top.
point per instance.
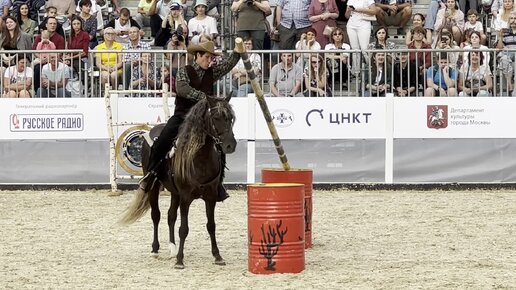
(193, 83)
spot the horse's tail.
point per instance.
(138, 207)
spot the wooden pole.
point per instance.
(263, 104)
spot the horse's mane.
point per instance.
(192, 135)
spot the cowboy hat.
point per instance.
(207, 46)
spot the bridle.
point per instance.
(212, 130)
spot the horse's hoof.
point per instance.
(179, 266)
(173, 249)
(220, 262)
(154, 254)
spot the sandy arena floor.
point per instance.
(380, 240)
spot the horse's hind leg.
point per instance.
(183, 233)
(156, 215)
(172, 217)
(210, 226)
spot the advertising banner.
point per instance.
(463, 117)
(60, 119)
(324, 118)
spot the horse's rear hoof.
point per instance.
(154, 254)
(220, 262)
(179, 266)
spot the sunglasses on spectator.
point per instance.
(337, 33)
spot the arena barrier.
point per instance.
(343, 140)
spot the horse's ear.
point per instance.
(229, 96)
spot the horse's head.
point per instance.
(222, 117)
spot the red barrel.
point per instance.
(304, 176)
(276, 228)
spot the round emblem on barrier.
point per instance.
(129, 149)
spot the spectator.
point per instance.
(54, 76)
(476, 25)
(496, 6)
(12, 38)
(360, 14)
(145, 76)
(431, 13)
(34, 8)
(202, 23)
(251, 19)
(168, 81)
(474, 38)
(18, 79)
(451, 19)
(337, 63)
(441, 78)
(64, 8)
(292, 16)
(79, 39)
(176, 59)
(381, 35)
(472, 4)
(121, 26)
(393, 12)
(507, 40)
(475, 78)
(241, 82)
(89, 22)
(4, 10)
(109, 63)
(379, 80)
(57, 39)
(26, 24)
(285, 78)
(44, 44)
(173, 23)
(502, 19)
(315, 77)
(342, 5)
(130, 59)
(445, 41)
(212, 7)
(141, 16)
(307, 42)
(323, 14)
(51, 13)
(420, 58)
(417, 21)
(158, 11)
(94, 9)
(405, 80)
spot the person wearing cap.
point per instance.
(251, 19)
(174, 23)
(202, 23)
(193, 83)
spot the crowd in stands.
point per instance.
(437, 56)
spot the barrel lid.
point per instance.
(275, 185)
(291, 169)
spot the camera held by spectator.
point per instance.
(249, 2)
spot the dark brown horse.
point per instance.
(193, 173)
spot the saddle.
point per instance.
(153, 134)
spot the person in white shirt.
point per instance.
(202, 23)
(157, 12)
(54, 77)
(18, 79)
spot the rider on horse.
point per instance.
(193, 83)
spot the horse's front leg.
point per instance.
(156, 216)
(183, 232)
(172, 217)
(210, 226)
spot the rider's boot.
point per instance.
(150, 179)
(222, 193)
